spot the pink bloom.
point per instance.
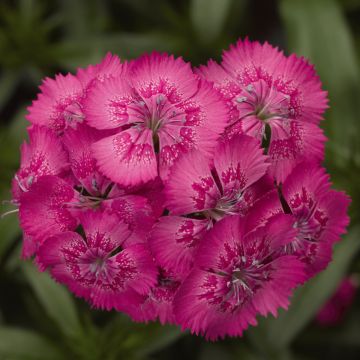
(160, 110)
(103, 267)
(239, 273)
(206, 192)
(44, 155)
(334, 310)
(217, 188)
(320, 214)
(59, 105)
(174, 239)
(265, 88)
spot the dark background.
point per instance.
(40, 319)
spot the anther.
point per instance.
(241, 99)
(250, 88)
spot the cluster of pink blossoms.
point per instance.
(191, 196)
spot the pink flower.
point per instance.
(334, 310)
(192, 199)
(320, 214)
(205, 192)
(160, 110)
(264, 89)
(60, 103)
(44, 155)
(239, 273)
(103, 266)
(216, 187)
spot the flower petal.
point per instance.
(127, 158)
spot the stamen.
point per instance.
(21, 186)
(94, 184)
(250, 88)
(8, 213)
(159, 99)
(30, 180)
(241, 99)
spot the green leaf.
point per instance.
(208, 18)
(122, 337)
(279, 333)
(318, 30)
(22, 344)
(158, 337)
(55, 299)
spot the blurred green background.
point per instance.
(40, 319)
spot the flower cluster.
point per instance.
(191, 196)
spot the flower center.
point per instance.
(73, 114)
(97, 266)
(245, 279)
(264, 101)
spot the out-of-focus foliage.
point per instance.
(40, 319)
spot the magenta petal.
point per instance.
(57, 100)
(246, 59)
(109, 66)
(137, 269)
(106, 105)
(239, 163)
(161, 73)
(44, 155)
(83, 164)
(135, 211)
(103, 229)
(291, 143)
(127, 158)
(298, 74)
(174, 241)
(228, 86)
(29, 246)
(265, 208)
(191, 187)
(44, 209)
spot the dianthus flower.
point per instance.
(239, 273)
(192, 198)
(102, 266)
(160, 110)
(274, 98)
(320, 214)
